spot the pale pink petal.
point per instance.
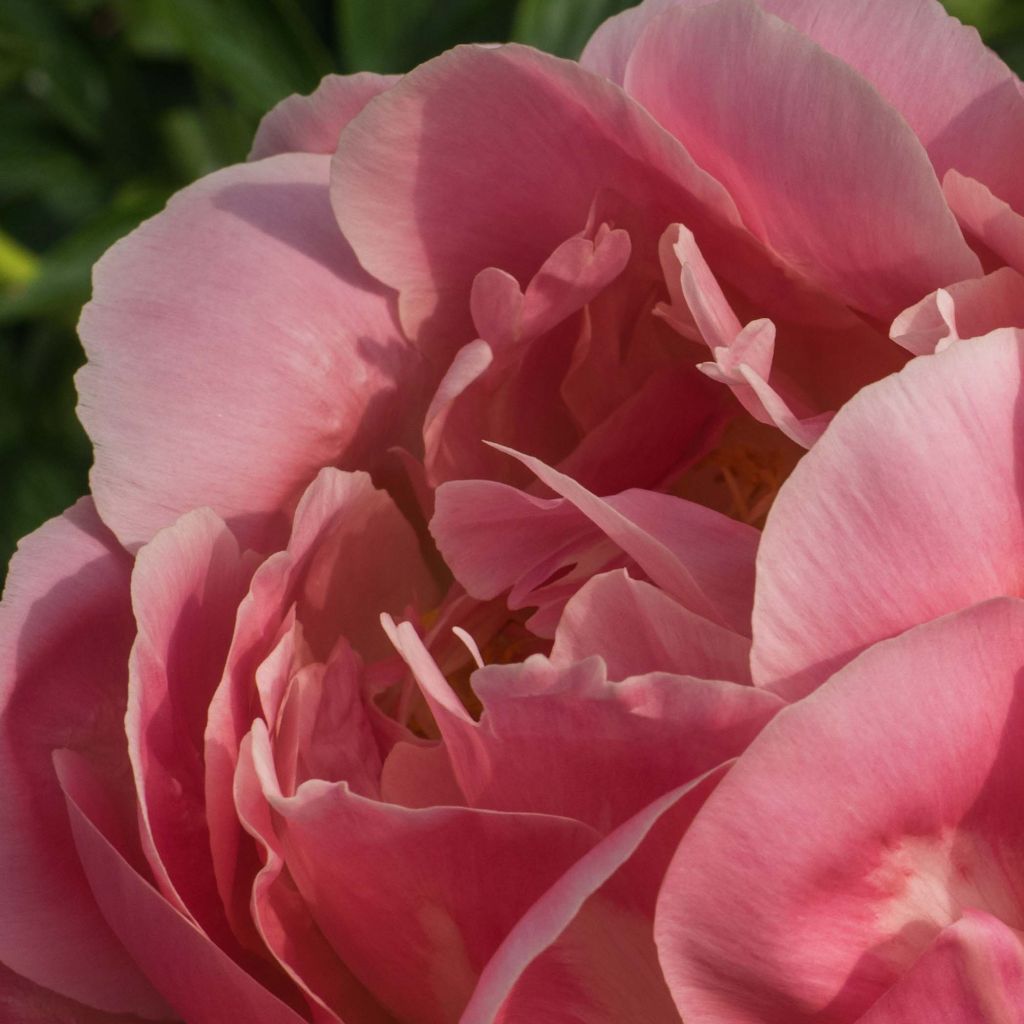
(285, 922)
(350, 557)
(608, 51)
(973, 971)
(609, 984)
(637, 629)
(415, 901)
(858, 825)
(809, 192)
(235, 347)
(986, 218)
(186, 587)
(968, 309)
(67, 629)
(199, 980)
(312, 124)
(407, 179)
(867, 536)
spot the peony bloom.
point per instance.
(321, 709)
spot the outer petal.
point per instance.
(961, 100)
(492, 157)
(973, 971)
(816, 196)
(312, 124)
(235, 347)
(202, 983)
(868, 536)
(67, 629)
(862, 822)
(453, 880)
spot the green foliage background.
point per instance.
(108, 106)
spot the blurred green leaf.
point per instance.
(562, 26)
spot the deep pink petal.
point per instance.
(199, 980)
(859, 824)
(284, 920)
(973, 971)
(186, 587)
(868, 536)
(235, 348)
(638, 629)
(808, 192)
(415, 901)
(67, 629)
(312, 124)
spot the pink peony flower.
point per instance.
(229, 791)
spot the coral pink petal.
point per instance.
(973, 971)
(960, 99)
(416, 157)
(235, 347)
(415, 901)
(968, 309)
(186, 587)
(312, 124)
(542, 925)
(937, 447)
(808, 192)
(67, 629)
(637, 629)
(986, 218)
(887, 824)
(199, 980)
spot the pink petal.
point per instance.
(312, 124)
(610, 985)
(638, 629)
(968, 309)
(415, 901)
(868, 535)
(284, 921)
(186, 587)
(350, 557)
(235, 347)
(987, 218)
(860, 824)
(959, 98)
(810, 193)
(973, 971)
(67, 629)
(200, 981)
(563, 740)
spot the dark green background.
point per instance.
(108, 106)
